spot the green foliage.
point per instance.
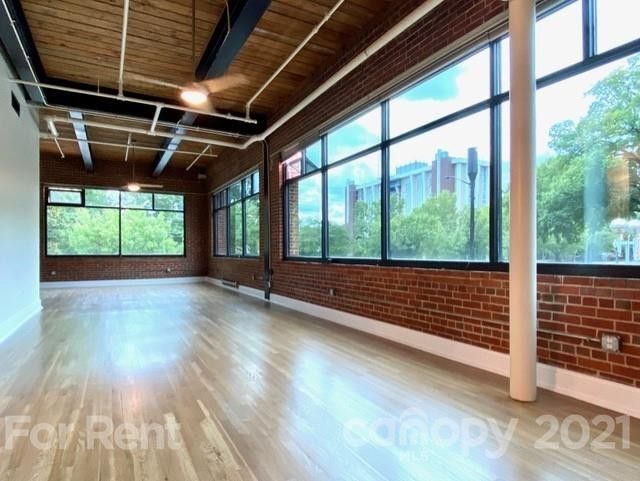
(148, 232)
(80, 231)
(252, 241)
(95, 230)
(437, 230)
(235, 229)
(310, 239)
(594, 176)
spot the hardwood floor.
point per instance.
(261, 393)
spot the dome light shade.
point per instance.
(194, 96)
(133, 187)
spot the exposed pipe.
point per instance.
(127, 118)
(134, 130)
(156, 116)
(123, 46)
(204, 151)
(54, 135)
(44, 135)
(126, 152)
(404, 24)
(311, 34)
(134, 100)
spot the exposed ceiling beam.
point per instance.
(19, 47)
(223, 47)
(81, 135)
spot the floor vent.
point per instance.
(228, 283)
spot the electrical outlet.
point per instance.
(610, 343)
(332, 292)
(168, 270)
(54, 273)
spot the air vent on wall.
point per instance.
(15, 104)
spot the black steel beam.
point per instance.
(81, 134)
(13, 50)
(223, 46)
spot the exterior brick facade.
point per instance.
(466, 306)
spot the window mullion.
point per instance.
(244, 227)
(384, 184)
(589, 45)
(325, 201)
(495, 167)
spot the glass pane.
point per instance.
(147, 232)
(588, 167)
(220, 217)
(256, 181)
(354, 208)
(432, 177)
(65, 196)
(247, 188)
(558, 43)
(252, 228)
(80, 231)
(235, 192)
(235, 229)
(102, 198)
(293, 166)
(313, 157)
(136, 200)
(305, 217)
(356, 135)
(169, 202)
(617, 23)
(559, 39)
(461, 85)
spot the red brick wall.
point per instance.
(115, 175)
(465, 306)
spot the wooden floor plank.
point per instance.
(256, 392)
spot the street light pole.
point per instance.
(472, 172)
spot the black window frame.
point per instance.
(225, 205)
(120, 209)
(590, 60)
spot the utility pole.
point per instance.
(472, 172)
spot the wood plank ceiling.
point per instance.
(79, 41)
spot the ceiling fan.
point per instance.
(196, 93)
(134, 186)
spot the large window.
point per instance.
(99, 222)
(236, 218)
(424, 175)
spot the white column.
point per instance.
(522, 269)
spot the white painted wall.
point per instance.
(19, 210)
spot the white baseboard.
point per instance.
(249, 291)
(600, 392)
(122, 282)
(11, 325)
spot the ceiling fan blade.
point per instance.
(151, 186)
(225, 82)
(153, 81)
